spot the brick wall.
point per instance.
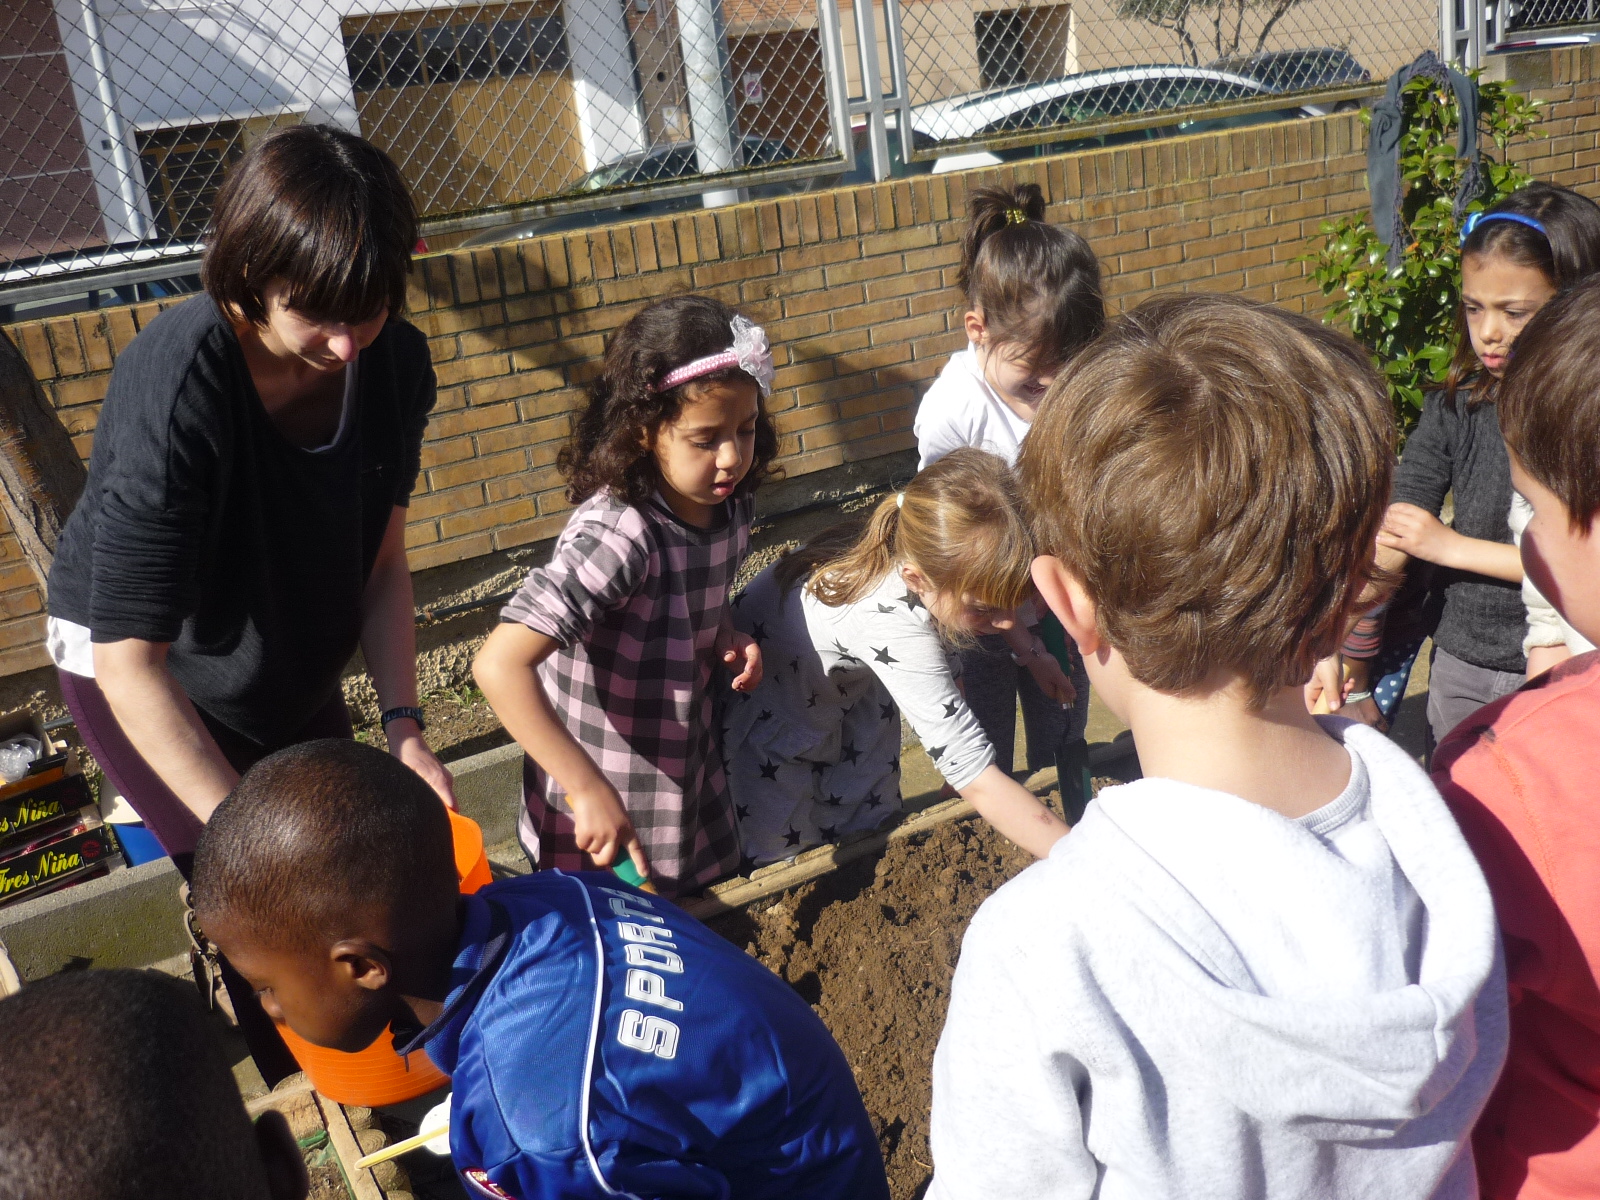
(855, 287)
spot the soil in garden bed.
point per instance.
(872, 948)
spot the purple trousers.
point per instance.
(178, 829)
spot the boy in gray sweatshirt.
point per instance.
(1270, 967)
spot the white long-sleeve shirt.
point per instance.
(1196, 997)
(1546, 627)
(961, 409)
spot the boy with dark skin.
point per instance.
(385, 964)
(116, 1088)
(599, 1040)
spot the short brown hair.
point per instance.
(1549, 405)
(1215, 471)
(320, 209)
(315, 837)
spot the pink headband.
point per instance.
(749, 353)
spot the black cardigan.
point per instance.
(1457, 448)
(203, 527)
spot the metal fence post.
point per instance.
(899, 98)
(705, 70)
(871, 102)
(106, 90)
(1462, 31)
(836, 78)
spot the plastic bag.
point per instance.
(16, 756)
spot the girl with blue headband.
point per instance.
(1515, 257)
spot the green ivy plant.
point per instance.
(1407, 316)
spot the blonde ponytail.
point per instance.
(851, 574)
(960, 522)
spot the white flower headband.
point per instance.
(749, 352)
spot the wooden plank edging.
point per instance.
(813, 864)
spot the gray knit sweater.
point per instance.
(1457, 448)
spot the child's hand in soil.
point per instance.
(735, 648)
(602, 829)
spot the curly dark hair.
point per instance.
(610, 446)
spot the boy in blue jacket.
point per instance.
(600, 1041)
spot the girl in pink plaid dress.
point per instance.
(601, 667)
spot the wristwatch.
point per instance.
(394, 714)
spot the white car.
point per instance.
(1093, 95)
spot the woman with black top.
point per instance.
(242, 531)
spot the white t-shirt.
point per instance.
(961, 409)
(1546, 627)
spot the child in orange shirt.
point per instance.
(1519, 775)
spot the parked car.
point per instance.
(1072, 99)
(1544, 41)
(674, 160)
(898, 167)
(1298, 70)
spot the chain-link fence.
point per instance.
(993, 76)
(121, 116)
(1524, 15)
(118, 118)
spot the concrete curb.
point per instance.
(489, 790)
(129, 918)
(132, 918)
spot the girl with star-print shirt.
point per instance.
(860, 626)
